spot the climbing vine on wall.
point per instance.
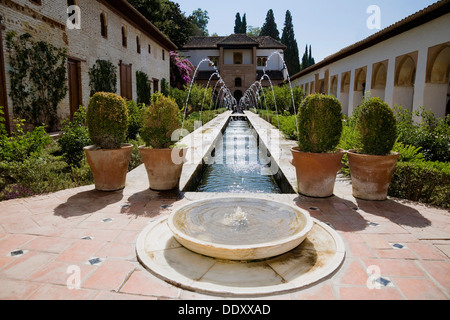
(103, 77)
(38, 79)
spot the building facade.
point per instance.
(240, 59)
(406, 64)
(95, 29)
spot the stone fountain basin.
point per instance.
(212, 228)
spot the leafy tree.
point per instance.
(270, 27)
(253, 31)
(200, 19)
(288, 39)
(167, 17)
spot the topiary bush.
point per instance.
(320, 123)
(107, 120)
(159, 121)
(376, 127)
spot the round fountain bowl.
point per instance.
(240, 228)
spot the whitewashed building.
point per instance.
(406, 64)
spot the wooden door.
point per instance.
(126, 85)
(74, 86)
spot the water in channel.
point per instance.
(238, 166)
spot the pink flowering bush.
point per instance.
(181, 70)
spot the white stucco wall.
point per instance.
(419, 39)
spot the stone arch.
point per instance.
(334, 86)
(359, 86)
(438, 68)
(379, 79)
(238, 95)
(437, 86)
(345, 91)
(404, 80)
(405, 75)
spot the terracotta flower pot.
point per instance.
(316, 172)
(163, 173)
(371, 175)
(109, 166)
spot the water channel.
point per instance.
(239, 166)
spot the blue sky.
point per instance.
(327, 25)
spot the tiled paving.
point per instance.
(47, 243)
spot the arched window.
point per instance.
(124, 36)
(237, 58)
(104, 25)
(238, 82)
(138, 44)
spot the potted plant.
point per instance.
(373, 165)
(316, 159)
(109, 157)
(163, 161)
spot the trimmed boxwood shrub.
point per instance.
(376, 127)
(107, 120)
(320, 123)
(159, 121)
(427, 182)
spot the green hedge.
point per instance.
(426, 182)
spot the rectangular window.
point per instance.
(163, 54)
(237, 58)
(262, 61)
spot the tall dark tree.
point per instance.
(310, 57)
(307, 59)
(237, 23)
(244, 24)
(291, 55)
(270, 27)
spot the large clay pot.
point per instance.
(109, 166)
(163, 173)
(371, 175)
(316, 172)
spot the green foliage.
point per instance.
(408, 153)
(143, 88)
(39, 175)
(291, 55)
(159, 122)
(165, 90)
(22, 145)
(135, 121)
(427, 182)
(103, 77)
(283, 99)
(206, 116)
(74, 138)
(168, 17)
(320, 123)
(431, 134)
(198, 98)
(38, 79)
(270, 27)
(107, 120)
(376, 127)
(240, 25)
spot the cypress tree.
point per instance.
(244, 24)
(305, 59)
(270, 27)
(310, 58)
(237, 23)
(291, 55)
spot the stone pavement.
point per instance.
(47, 241)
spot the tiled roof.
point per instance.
(262, 42)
